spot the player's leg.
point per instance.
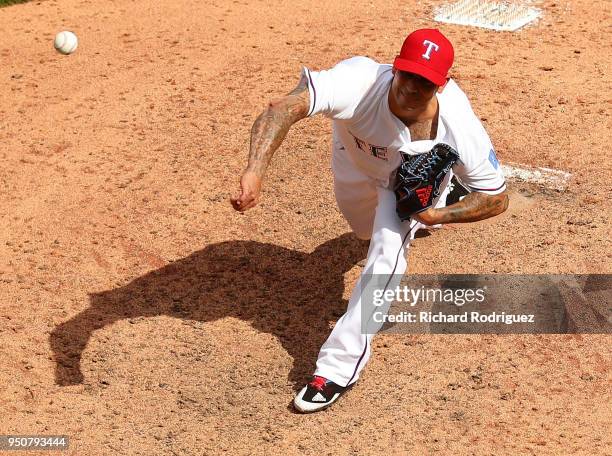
(355, 193)
(347, 349)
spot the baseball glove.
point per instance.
(418, 179)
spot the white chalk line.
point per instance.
(548, 177)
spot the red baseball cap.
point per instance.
(428, 53)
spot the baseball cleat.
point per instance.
(317, 395)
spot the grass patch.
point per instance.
(11, 2)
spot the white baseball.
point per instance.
(65, 42)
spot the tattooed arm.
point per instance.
(272, 125)
(267, 134)
(474, 207)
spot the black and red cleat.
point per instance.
(317, 395)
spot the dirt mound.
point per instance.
(141, 315)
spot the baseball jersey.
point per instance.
(354, 93)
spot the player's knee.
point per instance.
(363, 231)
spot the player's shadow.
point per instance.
(290, 294)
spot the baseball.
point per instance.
(65, 42)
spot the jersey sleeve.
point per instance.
(336, 92)
(478, 167)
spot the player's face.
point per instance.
(411, 91)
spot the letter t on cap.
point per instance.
(430, 45)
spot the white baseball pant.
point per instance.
(369, 209)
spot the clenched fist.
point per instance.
(249, 193)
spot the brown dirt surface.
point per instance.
(140, 314)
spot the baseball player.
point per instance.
(381, 114)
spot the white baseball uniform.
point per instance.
(367, 142)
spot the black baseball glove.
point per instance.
(418, 179)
